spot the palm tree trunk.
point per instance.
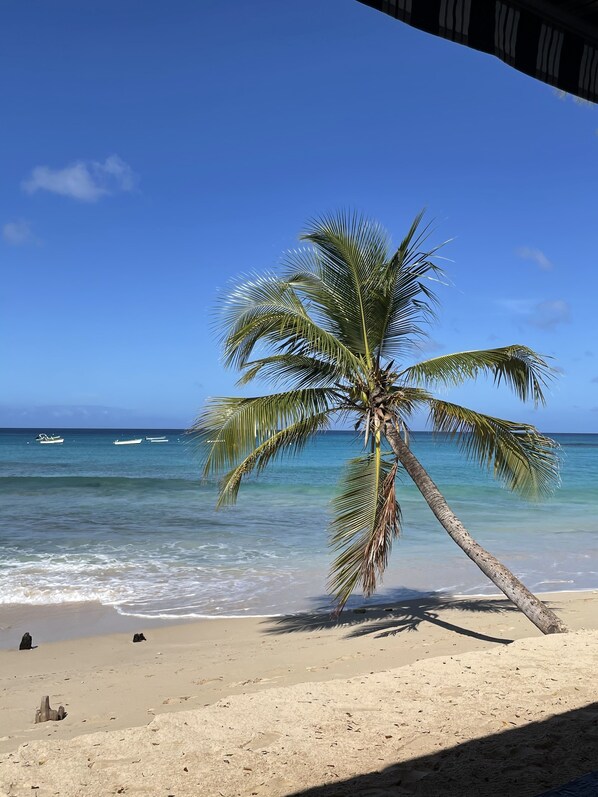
(536, 611)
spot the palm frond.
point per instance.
(295, 371)
(524, 371)
(327, 304)
(367, 519)
(268, 311)
(372, 300)
(332, 305)
(408, 297)
(350, 247)
(516, 453)
(230, 428)
(350, 252)
(405, 399)
(287, 441)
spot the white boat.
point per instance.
(128, 442)
(161, 439)
(46, 439)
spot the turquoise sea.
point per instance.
(134, 528)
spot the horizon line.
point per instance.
(183, 429)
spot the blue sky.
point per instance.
(153, 151)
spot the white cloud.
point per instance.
(537, 256)
(86, 181)
(17, 232)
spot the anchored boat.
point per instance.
(128, 442)
(46, 439)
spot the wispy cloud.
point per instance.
(86, 181)
(543, 315)
(17, 232)
(537, 256)
(549, 314)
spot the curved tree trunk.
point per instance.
(536, 611)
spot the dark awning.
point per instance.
(554, 42)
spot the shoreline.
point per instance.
(74, 620)
(106, 683)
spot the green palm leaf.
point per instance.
(367, 519)
(329, 305)
(230, 428)
(407, 296)
(403, 401)
(295, 371)
(350, 252)
(517, 454)
(524, 371)
(287, 441)
(268, 311)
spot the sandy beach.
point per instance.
(274, 706)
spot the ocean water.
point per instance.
(134, 527)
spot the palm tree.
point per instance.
(332, 333)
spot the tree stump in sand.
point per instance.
(45, 713)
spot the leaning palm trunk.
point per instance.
(536, 611)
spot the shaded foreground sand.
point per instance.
(396, 730)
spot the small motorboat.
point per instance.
(161, 439)
(134, 442)
(46, 439)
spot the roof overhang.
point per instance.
(553, 42)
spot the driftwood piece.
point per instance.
(26, 641)
(45, 713)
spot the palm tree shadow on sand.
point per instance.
(395, 615)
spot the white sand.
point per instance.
(278, 741)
